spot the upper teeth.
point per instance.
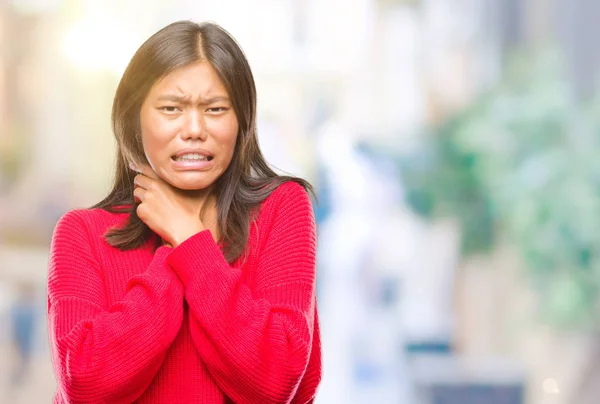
(192, 156)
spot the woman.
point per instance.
(193, 281)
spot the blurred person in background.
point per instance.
(193, 281)
(23, 318)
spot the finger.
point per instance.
(148, 172)
(144, 169)
(138, 195)
(141, 181)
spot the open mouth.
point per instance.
(191, 158)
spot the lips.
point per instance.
(192, 155)
(190, 160)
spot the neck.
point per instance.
(204, 199)
(199, 195)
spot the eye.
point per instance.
(217, 110)
(169, 109)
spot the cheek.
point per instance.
(226, 150)
(154, 138)
(226, 141)
(150, 144)
(228, 147)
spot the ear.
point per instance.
(146, 170)
(135, 168)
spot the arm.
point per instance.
(256, 342)
(106, 354)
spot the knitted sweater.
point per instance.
(182, 325)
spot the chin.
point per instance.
(190, 187)
(189, 184)
(187, 180)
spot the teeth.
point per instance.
(191, 157)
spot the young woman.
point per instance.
(193, 281)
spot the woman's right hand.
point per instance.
(170, 213)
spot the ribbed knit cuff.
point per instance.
(160, 256)
(162, 252)
(196, 256)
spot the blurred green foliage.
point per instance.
(522, 164)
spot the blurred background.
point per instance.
(453, 144)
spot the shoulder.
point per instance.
(289, 196)
(285, 222)
(287, 208)
(91, 221)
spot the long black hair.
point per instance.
(248, 180)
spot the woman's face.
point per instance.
(189, 128)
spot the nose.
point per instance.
(195, 127)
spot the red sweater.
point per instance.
(182, 325)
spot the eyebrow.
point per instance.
(187, 100)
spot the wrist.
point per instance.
(185, 234)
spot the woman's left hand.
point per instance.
(170, 213)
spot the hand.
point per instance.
(170, 213)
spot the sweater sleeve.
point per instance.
(105, 354)
(256, 341)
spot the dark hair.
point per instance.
(248, 180)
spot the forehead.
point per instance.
(199, 79)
